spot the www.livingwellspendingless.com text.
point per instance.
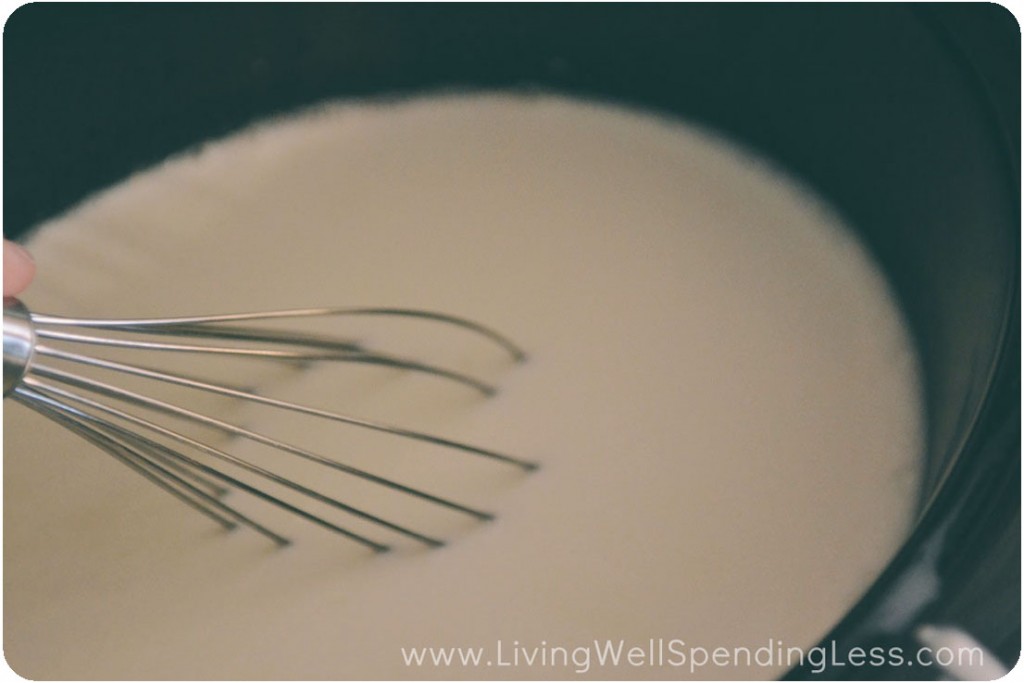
(675, 653)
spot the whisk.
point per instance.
(189, 468)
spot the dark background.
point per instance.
(179, 71)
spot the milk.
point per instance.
(720, 389)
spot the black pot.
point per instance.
(907, 119)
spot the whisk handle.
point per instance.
(19, 343)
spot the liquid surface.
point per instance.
(720, 390)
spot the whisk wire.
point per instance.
(168, 408)
(278, 403)
(163, 456)
(227, 457)
(50, 390)
(194, 324)
(100, 432)
(132, 457)
(77, 403)
(273, 354)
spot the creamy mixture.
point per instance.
(720, 389)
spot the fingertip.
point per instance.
(19, 268)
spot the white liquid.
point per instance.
(721, 392)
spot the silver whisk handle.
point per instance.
(19, 343)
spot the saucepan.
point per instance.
(903, 117)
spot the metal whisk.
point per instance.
(168, 457)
